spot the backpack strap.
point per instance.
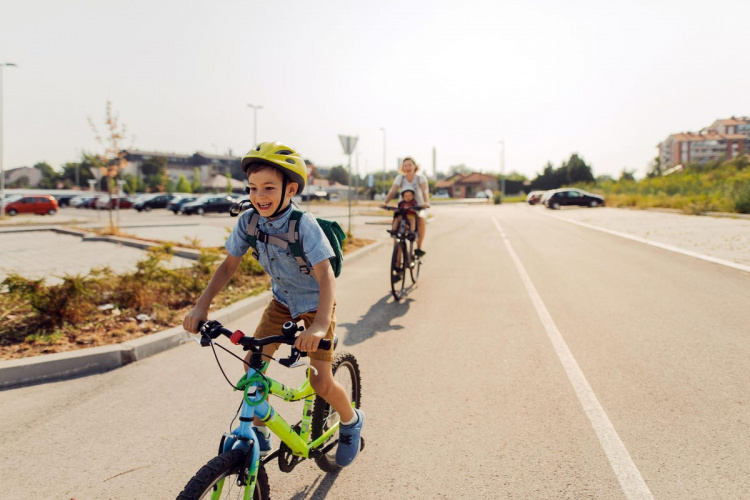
(254, 235)
(295, 247)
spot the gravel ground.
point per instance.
(719, 237)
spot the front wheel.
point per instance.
(346, 372)
(201, 211)
(414, 262)
(398, 274)
(218, 479)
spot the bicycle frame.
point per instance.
(243, 435)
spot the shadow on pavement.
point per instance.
(377, 319)
(325, 483)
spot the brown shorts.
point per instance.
(276, 314)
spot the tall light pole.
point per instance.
(2, 150)
(255, 122)
(502, 170)
(384, 183)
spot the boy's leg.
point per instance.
(274, 316)
(396, 220)
(327, 388)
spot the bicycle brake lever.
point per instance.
(304, 363)
(199, 339)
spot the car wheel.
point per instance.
(147, 209)
(201, 211)
(51, 211)
(594, 204)
(555, 205)
(12, 212)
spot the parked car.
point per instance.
(32, 204)
(534, 197)
(485, 193)
(104, 202)
(208, 203)
(176, 204)
(91, 201)
(79, 201)
(571, 196)
(64, 199)
(158, 200)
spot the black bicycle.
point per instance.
(404, 254)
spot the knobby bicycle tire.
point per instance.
(225, 466)
(397, 287)
(345, 364)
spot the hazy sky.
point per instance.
(608, 79)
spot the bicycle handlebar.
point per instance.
(415, 208)
(210, 330)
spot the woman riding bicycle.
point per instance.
(408, 178)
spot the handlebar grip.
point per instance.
(325, 345)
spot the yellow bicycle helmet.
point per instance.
(279, 156)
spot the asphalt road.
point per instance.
(536, 359)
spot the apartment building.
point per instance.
(724, 139)
(182, 164)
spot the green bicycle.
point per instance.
(238, 471)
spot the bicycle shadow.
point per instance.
(324, 484)
(377, 319)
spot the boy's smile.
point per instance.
(265, 191)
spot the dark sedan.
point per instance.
(176, 204)
(570, 196)
(159, 200)
(208, 203)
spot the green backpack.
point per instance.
(290, 239)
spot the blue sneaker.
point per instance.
(264, 443)
(349, 441)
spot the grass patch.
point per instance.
(106, 308)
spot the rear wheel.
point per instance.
(555, 205)
(594, 204)
(147, 208)
(51, 211)
(201, 211)
(346, 372)
(218, 479)
(12, 211)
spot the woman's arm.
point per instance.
(425, 191)
(393, 192)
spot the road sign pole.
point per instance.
(349, 142)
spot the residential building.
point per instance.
(181, 164)
(466, 185)
(724, 139)
(23, 177)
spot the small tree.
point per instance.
(196, 185)
(112, 160)
(183, 186)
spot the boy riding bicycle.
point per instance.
(275, 173)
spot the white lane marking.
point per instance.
(664, 246)
(622, 464)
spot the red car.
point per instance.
(32, 204)
(104, 202)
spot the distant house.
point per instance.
(466, 185)
(23, 177)
(219, 183)
(724, 139)
(182, 164)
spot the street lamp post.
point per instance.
(502, 170)
(384, 183)
(2, 150)
(255, 122)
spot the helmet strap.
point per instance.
(283, 196)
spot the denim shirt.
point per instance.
(290, 286)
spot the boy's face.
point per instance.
(265, 190)
(408, 196)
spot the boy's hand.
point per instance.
(309, 339)
(193, 319)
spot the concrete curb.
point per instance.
(82, 362)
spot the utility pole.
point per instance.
(502, 170)
(2, 149)
(384, 182)
(255, 122)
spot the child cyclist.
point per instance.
(275, 173)
(407, 203)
